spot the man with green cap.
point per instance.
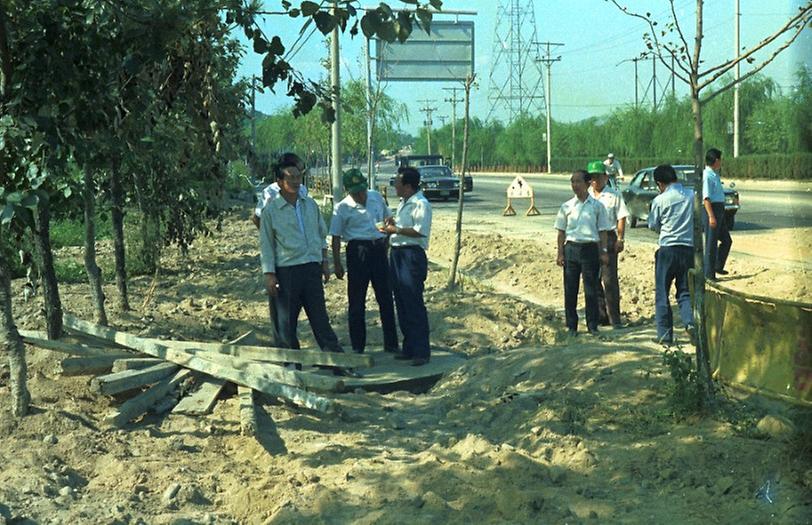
(356, 220)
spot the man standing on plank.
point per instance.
(355, 220)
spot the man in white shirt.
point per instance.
(408, 264)
(613, 168)
(582, 223)
(609, 286)
(355, 220)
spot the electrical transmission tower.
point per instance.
(515, 80)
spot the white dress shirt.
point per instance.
(356, 222)
(614, 203)
(582, 221)
(415, 213)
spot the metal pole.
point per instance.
(335, 83)
(654, 80)
(736, 87)
(370, 117)
(636, 86)
(549, 136)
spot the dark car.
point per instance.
(438, 182)
(430, 160)
(642, 189)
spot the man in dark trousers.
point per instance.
(582, 223)
(410, 230)
(671, 216)
(609, 284)
(293, 248)
(355, 220)
(717, 234)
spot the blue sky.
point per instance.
(587, 81)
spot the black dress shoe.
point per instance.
(394, 350)
(722, 272)
(403, 357)
(420, 361)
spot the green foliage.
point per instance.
(69, 271)
(772, 123)
(309, 137)
(685, 392)
(71, 232)
(791, 166)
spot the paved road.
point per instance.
(761, 209)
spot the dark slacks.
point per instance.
(408, 267)
(366, 263)
(581, 260)
(671, 264)
(717, 241)
(301, 286)
(609, 286)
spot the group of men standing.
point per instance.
(591, 228)
(384, 250)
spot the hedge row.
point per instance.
(790, 166)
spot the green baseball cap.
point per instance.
(595, 166)
(354, 181)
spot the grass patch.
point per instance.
(70, 271)
(71, 232)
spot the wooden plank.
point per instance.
(130, 379)
(139, 404)
(86, 366)
(278, 373)
(251, 378)
(248, 413)
(40, 340)
(135, 363)
(277, 355)
(201, 401)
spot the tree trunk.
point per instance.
(94, 276)
(117, 218)
(45, 262)
(702, 358)
(12, 344)
(452, 275)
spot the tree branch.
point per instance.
(679, 29)
(804, 13)
(749, 73)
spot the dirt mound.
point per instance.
(532, 428)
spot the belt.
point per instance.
(405, 246)
(581, 243)
(382, 240)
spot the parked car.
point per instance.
(419, 161)
(642, 189)
(439, 182)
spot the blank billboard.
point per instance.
(445, 54)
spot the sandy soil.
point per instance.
(531, 429)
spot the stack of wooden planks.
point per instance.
(161, 371)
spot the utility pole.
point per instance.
(453, 100)
(654, 79)
(673, 80)
(335, 83)
(548, 61)
(736, 36)
(370, 118)
(252, 157)
(428, 110)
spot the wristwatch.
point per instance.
(605, 250)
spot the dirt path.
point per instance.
(530, 430)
